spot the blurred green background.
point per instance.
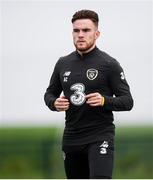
(36, 153)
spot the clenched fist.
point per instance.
(61, 104)
(95, 99)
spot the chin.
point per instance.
(82, 48)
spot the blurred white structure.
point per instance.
(34, 34)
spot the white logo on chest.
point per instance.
(66, 75)
(92, 74)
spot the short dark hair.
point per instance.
(86, 14)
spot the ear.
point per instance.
(97, 34)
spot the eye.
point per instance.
(86, 30)
(76, 30)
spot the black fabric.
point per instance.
(78, 76)
(89, 161)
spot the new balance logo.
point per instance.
(66, 74)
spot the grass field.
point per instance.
(36, 153)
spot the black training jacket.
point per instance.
(78, 76)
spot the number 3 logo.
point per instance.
(78, 98)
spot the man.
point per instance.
(94, 85)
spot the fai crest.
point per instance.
(92, 74)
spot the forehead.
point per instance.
(83, 23)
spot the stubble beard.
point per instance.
(85, 48)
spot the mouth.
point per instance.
(81, 41)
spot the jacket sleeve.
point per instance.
(122, 99)
(54, 89)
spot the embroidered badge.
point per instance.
(92, 74)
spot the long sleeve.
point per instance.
(122, 99)
(54, 89)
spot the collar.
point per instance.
(88, 53)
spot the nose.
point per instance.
(81, 34)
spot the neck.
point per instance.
(84, 52)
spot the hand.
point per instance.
(61, 104)
(94, 99)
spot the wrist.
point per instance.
(102, 100)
